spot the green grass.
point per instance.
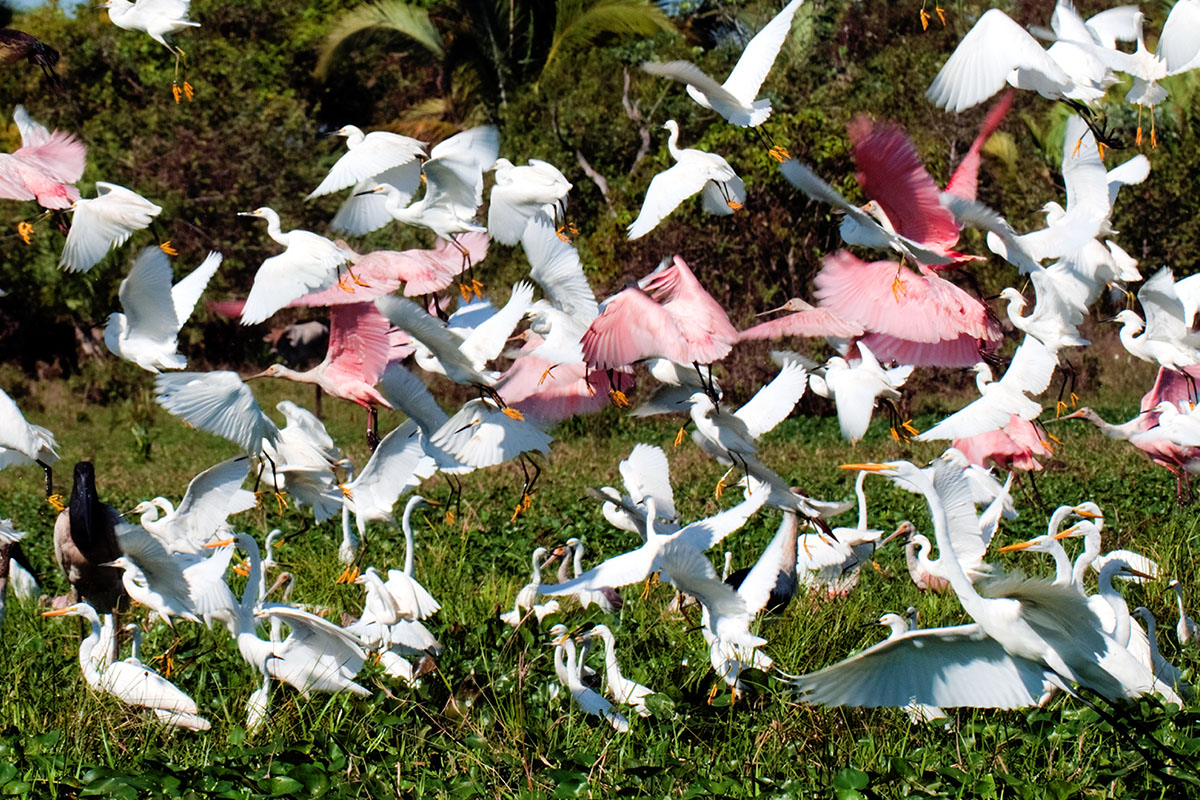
(485, 724)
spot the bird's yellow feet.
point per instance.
(1053, 438)
(356, 279)
(924, 19)
(895, 434)
(517, 511)
(779, 153)
(898, 287)
(716, 687)
(561, 233)
(941, 12)
(448, 517)
(349, 574)
(57, 502)
(176, 92)
(1137, 139)
(342, 284)
(167, 248)
(679, 437)
(1079, 144)
(1059, 408)
(512, 413)
(618, 397)
(188, 91)
(243, 569)
(347, 492)
(734, 204)
(720, 488)
(477, 288)
(650, 583)
(526, 501)
(25, 231)
(908, 426)
(546, 374)
(1074, 399)
(1100, 147)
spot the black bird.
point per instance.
(16, 45)
(85, 537)
(779, 562)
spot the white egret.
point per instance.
(23, 443)
(619, 688)
(155, 310)
(527, 596)
(897, 625)
(586, 698)
(522, 193)
(856, 388)
(211, 497)
(693, 171)
(159, 19)
(368, 156)
(1186, 629)
(103, 222)
(735, 99)
(310, 263)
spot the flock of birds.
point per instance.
(1030, 637)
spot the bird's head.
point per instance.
(905, 530)
(671, 125)
(273, 371)
(1175, 585)
(1012, 295)
(140, 508)
(121, 562)
(1038, 544)
(347, 131)
(380, 189)
(258, 212)
(74, 610)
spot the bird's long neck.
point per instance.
(789, 529)
(897, 625)
(275, 231)
(307, 376)
(610, 659)
(860, 491)
(1117, 603)
(1056, 519)
(573, 680)
(1179, 600)
(256, 585)
(1091, 549)
(537, 570)
(948, 564)
(1107, 428)
(90, 671)
(1128, 335)
(673, 143)
(577, 564)
(1016, 304)
(409, 541)
(1063, 573)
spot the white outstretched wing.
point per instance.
(102, 222)
(186, 293)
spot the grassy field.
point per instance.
(486, 723)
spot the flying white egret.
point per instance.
(693, 171)
(22, 443)
(211, 497)
(855, 389)
(735, 99)
(522, 193)
(155, 310)
(159, 19)
(103, 222)
(368, 156)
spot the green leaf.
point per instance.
(382, 18)
(282, 784)
(580, 22)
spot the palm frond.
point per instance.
(580, 22)
(381, 18)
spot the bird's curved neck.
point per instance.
(948, 565)
(1091, 549)
(1063, 572)
(573, 680)
(88, 646)
(860, 491)
(274, 230)
(577, 564)
(673, 143)
(409, 541)
(1179, 600)
(897, 627)
(1118, 605)
(256, 586)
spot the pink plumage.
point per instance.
(554, 395)
(678, 320)
(1015, 446)
(810, 322)
(44, 168)
(926, 319)
(965, 179)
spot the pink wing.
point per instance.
(1171, 386)
(48, 192)
(965, 178)
(1015, 446)
(61, 157)
(632, 327)
(359, 347)
(703, 323)
(961, 351)
(813, 322)
(12, 181)
(226, 308)
(926, 309)
(551, 397)
(891, 174)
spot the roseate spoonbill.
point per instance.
(694, 171)
(103, 222)
(619, 688)
(22, 443)
(1017, 445)
(735, 98)
(309, 263)
(369, 155)
(418, 272)
(1029, 372)
(585, 697)
(147, 333)
(359, 351)
(550, 391)
(159, 19)
(1027, 631)
(926, 321)
(1142, 433)
(130, 682)
(522, 193)
(668, 315)
(85, 538)
(1186, 629)
(903, 193)
(805, 320)
(44, 168)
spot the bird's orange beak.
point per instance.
(1014, 547)
(58, 612)
(221, 543)
(1068, 533)
(867, 467)
(1087, 514)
